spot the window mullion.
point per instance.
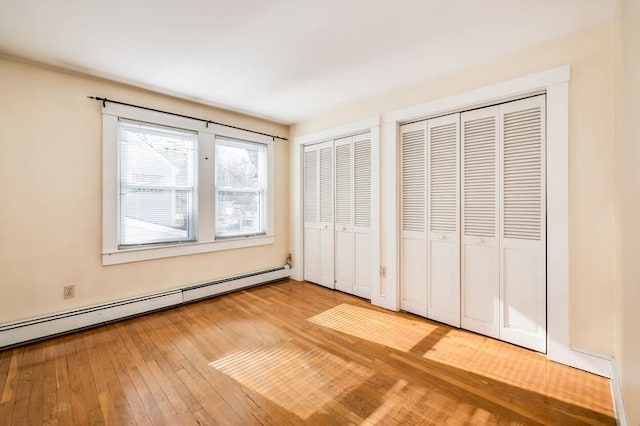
(205, 189)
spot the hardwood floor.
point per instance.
(290, 353)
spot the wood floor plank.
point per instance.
(290, 353)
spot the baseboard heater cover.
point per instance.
(27, 331)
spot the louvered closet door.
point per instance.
(362, 157)
(522, 224)
(443, 233)
(326, 215)
(480, 253)
(413, 250)
(344, 252)
(311, 214)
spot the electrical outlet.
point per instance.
(69, 291)
(383, 272)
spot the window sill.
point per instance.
(159, 252)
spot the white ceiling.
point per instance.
(286, 60)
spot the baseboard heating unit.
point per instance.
(26, 331)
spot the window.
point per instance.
(240, 188)
(175, 186)
(157, 184)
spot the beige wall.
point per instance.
(627, 167)
(50, 209)
(590, 55)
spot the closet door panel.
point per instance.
(480, 293)
(443, 249)
(363, 181)
(311, 214)
(326, 178)
(413, 180)
(363, 265)
(523, 227)
(344, 249)
(344, 261)
(480, 269)
(414, 274)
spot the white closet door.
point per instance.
(443, 195)
(443, 248)
(326, 215)
(362, 214)
(311, 187)
(480, 254)
(522, 224)
(413, 181)
(344, 252)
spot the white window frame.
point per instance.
(262, 192)
(205, 198)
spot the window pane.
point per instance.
(157, 175)
(240, 187)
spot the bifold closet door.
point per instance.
(326, 196)
(443, 231)
(344, 253)
(311, 213)
(480, 253)
(362, 188)
(413, 205)
(318, 214)
(523, 224)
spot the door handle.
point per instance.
(443, 237)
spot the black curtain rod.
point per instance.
(105, 100)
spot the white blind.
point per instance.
(157, 180)
(311, 186)
(523, 174)
(479, 184)
(326, 184)
(443, 174)
(343, 184)
(362, 177)
(413, 180)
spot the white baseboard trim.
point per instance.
(591, 362)
(616, 393)
(21, 332)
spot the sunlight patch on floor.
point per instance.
(377, 327)
(301, 380)
(521, 368)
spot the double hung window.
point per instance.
(174, 186)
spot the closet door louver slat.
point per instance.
(523, 174)
(362, 177)
(326, 184)
(311, 186)
(344, 197)
(479, 184)
(413, 180)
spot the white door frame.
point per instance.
(372, 125)
(555, 83)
